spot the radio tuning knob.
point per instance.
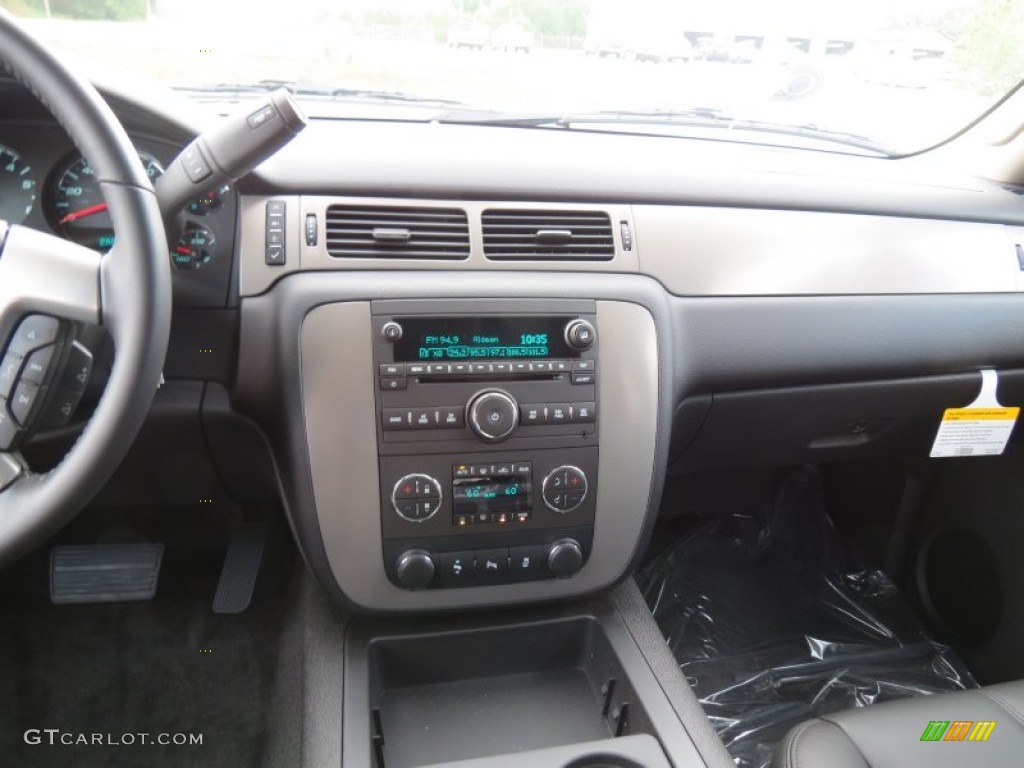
(492, 415)
(580, 334)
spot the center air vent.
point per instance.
(369, 231)
(548, 235)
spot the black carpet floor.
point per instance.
(168, 666)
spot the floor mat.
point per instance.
(114, 680)
(773, 621)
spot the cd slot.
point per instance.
(474, 378)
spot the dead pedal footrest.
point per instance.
(104, 573)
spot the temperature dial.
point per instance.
(195, 248)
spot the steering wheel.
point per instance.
(53, 282)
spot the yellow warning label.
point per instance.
(981, 414)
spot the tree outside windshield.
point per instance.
(901, 73)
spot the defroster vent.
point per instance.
(396, 232)
(547, 235)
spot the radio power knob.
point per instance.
(414, 569)
(565, 557)
(492, 415)
(580, 334)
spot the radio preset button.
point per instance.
(532, 415)
(460, 369)
(439, 369)
(479, 368)
(502, 367)
(540, 366)
(582, 413)
(520, 367)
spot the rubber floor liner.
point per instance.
(773, 621)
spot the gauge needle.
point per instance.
(92, 209)
(183, 250)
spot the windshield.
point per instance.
(899, 75)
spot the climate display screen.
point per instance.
(481, 338)
(490, 494)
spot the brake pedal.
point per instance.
(104, 573)
(241, 567)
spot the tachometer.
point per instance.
(76, 207)
(17, 187)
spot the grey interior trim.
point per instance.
(256, 276)
(704, 251)
(340, 424)
(637, 619)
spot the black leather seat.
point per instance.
(893, 734)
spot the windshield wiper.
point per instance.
(315, 91)
(695, 117)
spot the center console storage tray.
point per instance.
(461, 693)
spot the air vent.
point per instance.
(380, 232)
(548, 235)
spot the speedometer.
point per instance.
(17, 187)
(76, 207)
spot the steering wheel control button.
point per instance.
(415, 569)
(564, 489)
(391, 331)
(9, 431)
(9, 367)
(580, 334)
(78, 369)
(38, 365)
(23, 401)
(33, 332)
(565, 557)
(416, 497)
(492, 415)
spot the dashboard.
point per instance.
(396, 306)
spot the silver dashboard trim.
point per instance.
(340, 422)
(256, 277)
(704, 251)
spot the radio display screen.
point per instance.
(481, 338)
(470, 496)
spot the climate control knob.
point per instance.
(414, 569)
(565, 557)
(580, 334)
(492, 415)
